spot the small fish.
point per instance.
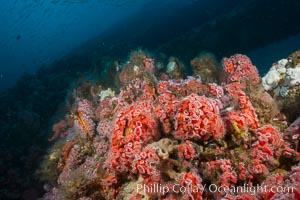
(18, 37)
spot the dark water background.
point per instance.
(46, 45)
(36, 33)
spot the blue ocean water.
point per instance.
(35, 33)
(46, 46)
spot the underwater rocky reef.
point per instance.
(222, 133)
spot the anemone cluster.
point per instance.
(216, 135)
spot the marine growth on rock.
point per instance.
(179, 138)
